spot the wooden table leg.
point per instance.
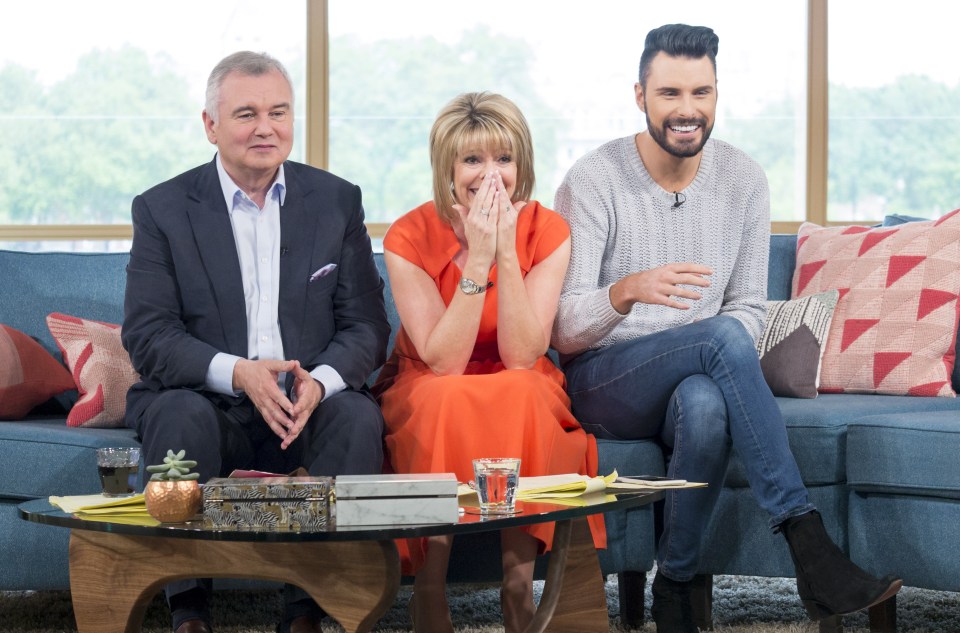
(114, 576)
(573, 600)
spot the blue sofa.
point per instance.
(880, 468)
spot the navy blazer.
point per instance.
(184, 298)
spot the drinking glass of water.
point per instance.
(496, 479)
(119, 469)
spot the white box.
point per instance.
(414, 499)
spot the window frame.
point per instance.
(317, 127)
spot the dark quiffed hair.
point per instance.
(678, 40)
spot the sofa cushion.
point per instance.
(896, 219)
(43, 457)
(894, 330)
(29, 375)
(630, 533)
(90, 285)
(630, 457)
(739, 540)
(792, 343)
(780, 265)
(905, 454)
(817, 430)
(100, 366)
(913, 537)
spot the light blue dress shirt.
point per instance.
(256, 233)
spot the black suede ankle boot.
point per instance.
(828, 582)
(672, 609)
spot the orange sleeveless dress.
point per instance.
(441, 423)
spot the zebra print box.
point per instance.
(267, 503)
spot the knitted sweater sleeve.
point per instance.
(746, 294)
(585, 314)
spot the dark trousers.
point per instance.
(343, 436)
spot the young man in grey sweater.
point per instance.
(659, 314)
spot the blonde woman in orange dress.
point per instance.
(476, 275)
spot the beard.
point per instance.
(680, 150)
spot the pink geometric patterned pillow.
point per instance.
(100, 367)
(895, 326)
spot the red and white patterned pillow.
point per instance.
(29, 375)
(895, 326)
(100, 367)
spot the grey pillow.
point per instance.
(792, 343)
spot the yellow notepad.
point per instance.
(127, 510)
(125, 519)
(76, 503)
(121, 511)
(561, 486)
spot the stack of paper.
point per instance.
(570, 486)
(127, 510)
(561, 486)
(573, 485)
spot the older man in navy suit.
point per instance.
(254, 311)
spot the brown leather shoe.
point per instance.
(194, 626)
(305, 624)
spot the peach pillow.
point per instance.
(895, 325)
(100, 367)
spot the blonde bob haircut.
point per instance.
(478, 120)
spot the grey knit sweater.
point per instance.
(621, 222)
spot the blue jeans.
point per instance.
(699, 390)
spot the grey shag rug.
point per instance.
(742, 604)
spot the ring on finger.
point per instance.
(484, 211)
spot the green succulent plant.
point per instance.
(173, 468)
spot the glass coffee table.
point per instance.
(352, 572)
